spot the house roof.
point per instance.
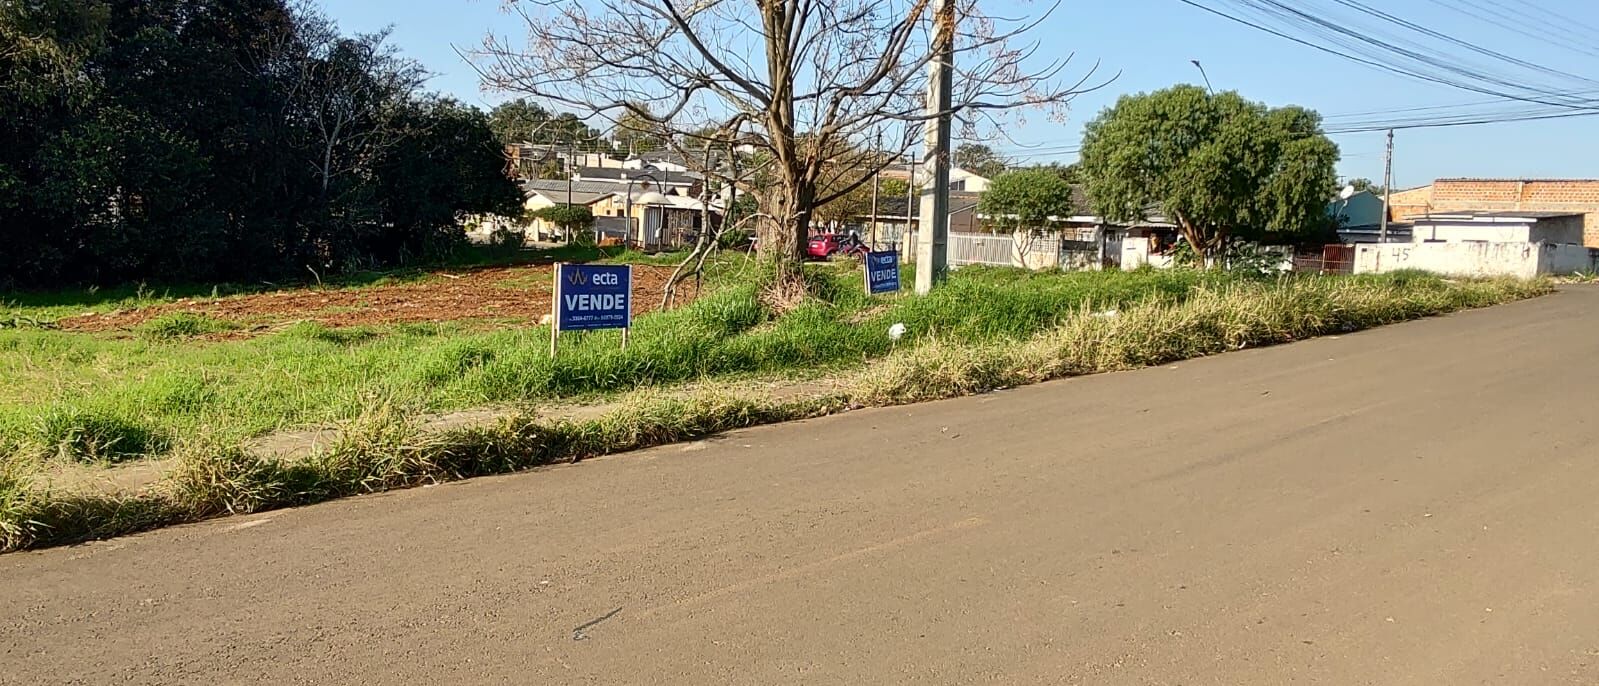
(674, 157)
(583, 192)
(959, 201)
(616, 174)
(1459, 179)
(1489, 217)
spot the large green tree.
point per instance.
(1217, 165)
(219, 139)
(1026, 199)
(522, 121)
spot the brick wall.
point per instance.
(1407, 205)
(1446, 195)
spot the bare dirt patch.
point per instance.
(507, 294)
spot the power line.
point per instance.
(1351, 44)
(1545, 33)
(1435, 65)
(1557, 18)
(1467, 122)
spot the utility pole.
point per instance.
(567, 165)
(877, 149)
(932, 249)
(910, 190)
(1387, 186)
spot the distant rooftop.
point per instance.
(619, 174)
(583, 192)
(1514, 180)
(1493, 215)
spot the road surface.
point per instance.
(1413, 505)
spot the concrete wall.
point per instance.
(1548, 230)
(1135, 254)
(1570, 229)
(1456, 232)
(1524, 260)
(1568, 259)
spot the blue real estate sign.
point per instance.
(593, 296)
(882, 272)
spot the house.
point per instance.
(524, 160)
(682, 183)
(888, 228)
(1578, 196)
(647, 217)
(1081, 240)
(1360, 219)
(962, 180)
(959, 179)
(1498, 227)
(604, 200)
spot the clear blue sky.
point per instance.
(1151, 42)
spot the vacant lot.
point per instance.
(192, 380)
(127, 383)
(494, 295)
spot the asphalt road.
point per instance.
(1413, 505)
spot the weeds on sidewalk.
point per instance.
(383, 449)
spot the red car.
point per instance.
(825, 245)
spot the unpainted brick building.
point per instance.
(1489, 195)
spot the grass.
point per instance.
(986, 329)
(1211, 320)
(381, 450)
(1022, 329)
(138, 394)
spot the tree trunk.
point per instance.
(1197, 240)
(785, 222)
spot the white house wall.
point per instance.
(1455, 232)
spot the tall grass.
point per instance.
(383, 449)
(380, 451)
(101, 399)
(1210, 320)
(97, 398)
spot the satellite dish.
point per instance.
(1347, 193)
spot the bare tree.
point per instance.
(350, 92)
(808, 77)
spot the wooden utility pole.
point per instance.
(932, 249)
(1387, 187)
